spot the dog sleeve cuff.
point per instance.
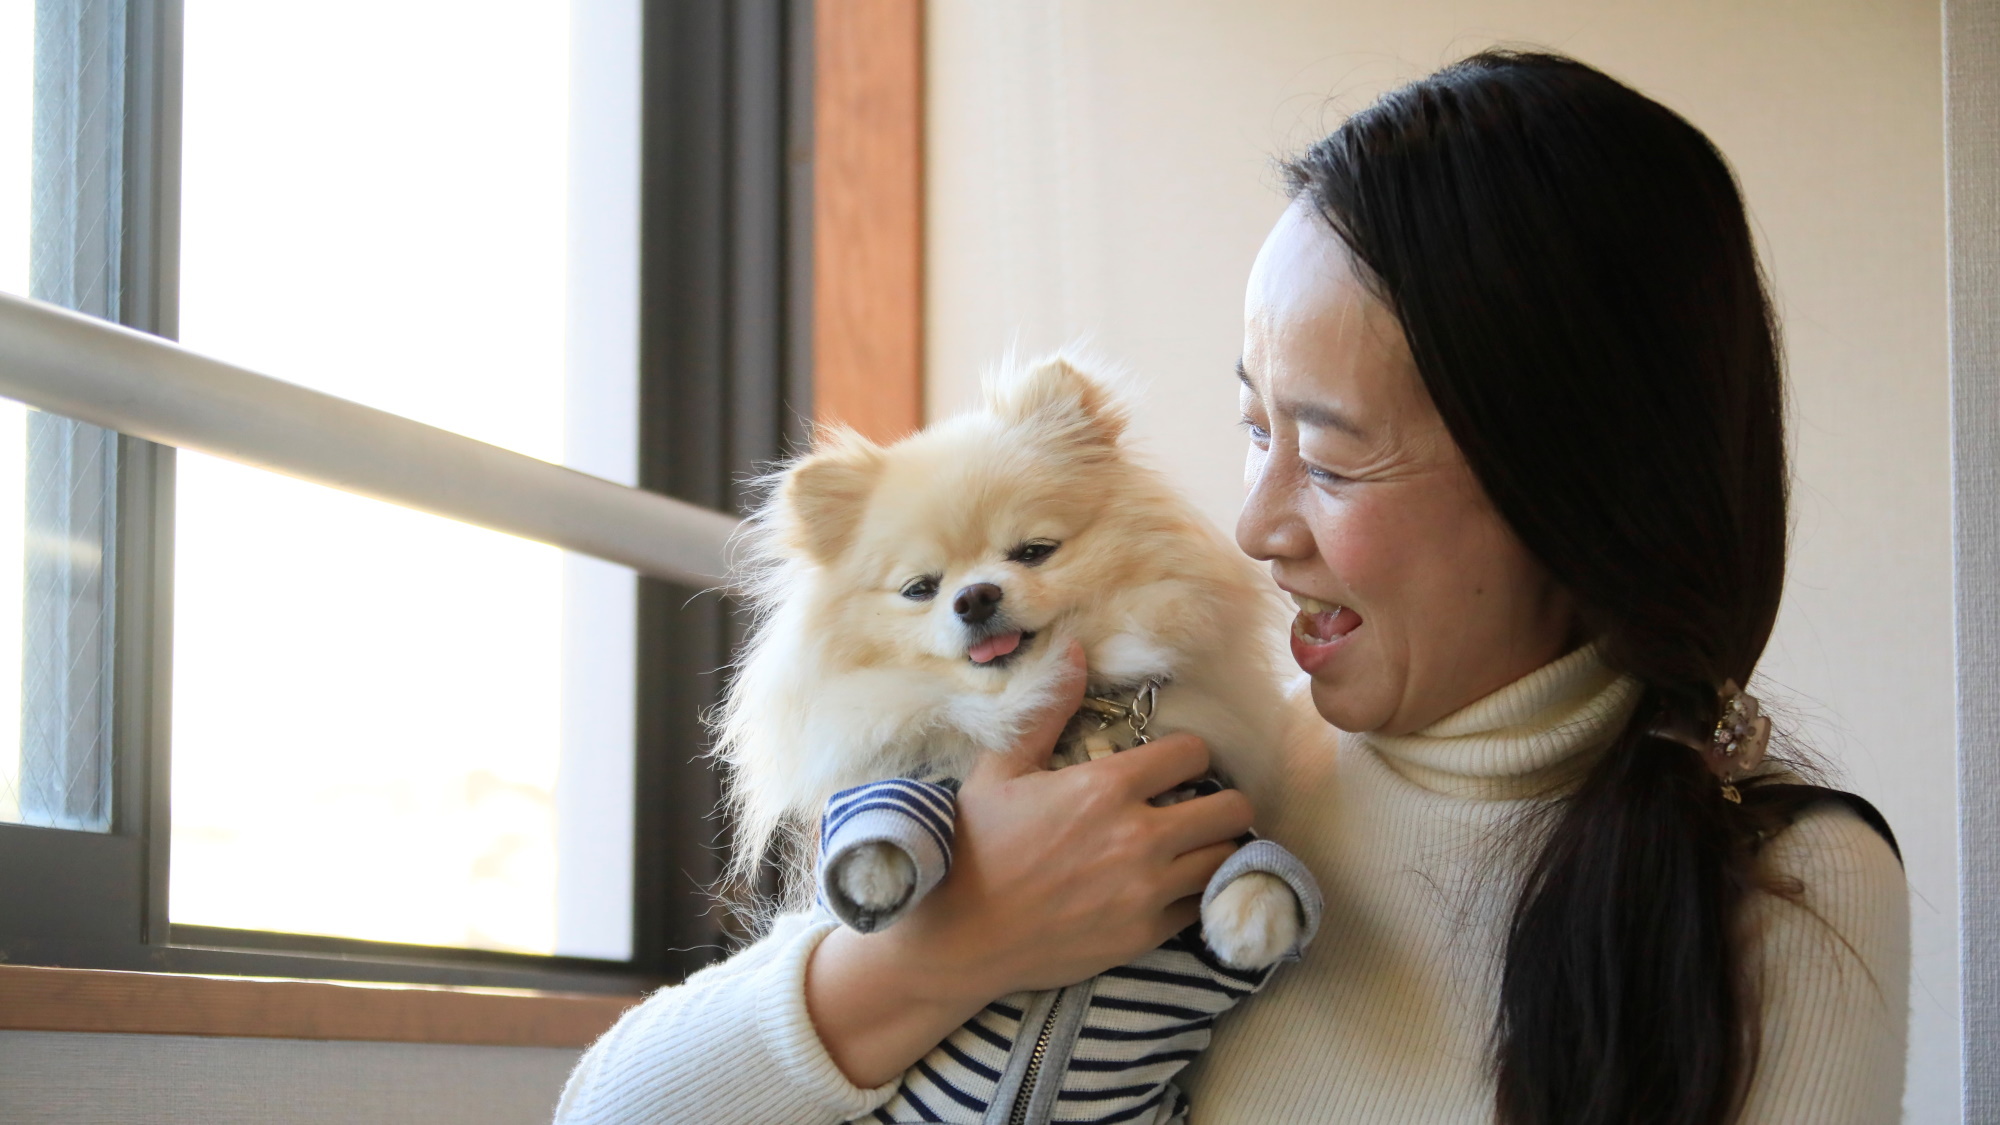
(914, 817)
(1272, 859)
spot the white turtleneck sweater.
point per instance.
(1388, 1019)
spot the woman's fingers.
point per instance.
(1060, 874)
(1038, 743)
(1179, 916)
(1190, 872)
(1197, 823)
(1150, 770)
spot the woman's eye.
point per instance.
(920, 589)
(1033, 552)
(1323, 476)
(1258, 433)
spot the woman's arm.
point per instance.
(731, 1044)
(1056, 876)
(1833, 975)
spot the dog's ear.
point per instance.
(1054, 394)
(823, 496)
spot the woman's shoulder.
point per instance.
(1829, 945)
(1837, 859)
(1830, 922)
(1829, 845)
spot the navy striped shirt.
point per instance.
(1113, 1043)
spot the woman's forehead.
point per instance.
(1300, 256)
(1318, 345)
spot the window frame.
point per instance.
(724, 387)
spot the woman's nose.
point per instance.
(1269, 526)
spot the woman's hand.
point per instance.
(1056, 876)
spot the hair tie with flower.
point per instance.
(1735, 747)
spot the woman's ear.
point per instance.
(822, 497)
(1054, 395)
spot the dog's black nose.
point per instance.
(976, 602)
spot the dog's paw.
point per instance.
(1251, 922)
(876, 877)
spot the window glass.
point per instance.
(62, 86)
(17, 116)
(13, 462)
(17, 108)
(388, 725)
(368, 717)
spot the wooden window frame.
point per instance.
(868, 216)
(854, 304)
(105, 1001)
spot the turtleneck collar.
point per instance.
(1530, 738)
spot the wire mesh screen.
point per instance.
(65, 778)
(68, 471)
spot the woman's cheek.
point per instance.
(1359, 542)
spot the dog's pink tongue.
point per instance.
(993, 648)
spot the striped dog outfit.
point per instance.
(1104, 1050)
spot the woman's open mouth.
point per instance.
(1318, 630)
(997, 650)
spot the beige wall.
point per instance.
(65, 1078)
(1102, 169)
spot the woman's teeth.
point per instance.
(1315, 622)
(1313, 605)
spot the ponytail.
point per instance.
(1621, 996)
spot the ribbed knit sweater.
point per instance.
(1388, 1018)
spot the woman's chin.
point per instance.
(1347, 689)
(1337, 706)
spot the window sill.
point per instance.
(95, 1000)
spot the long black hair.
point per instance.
(1571, 264)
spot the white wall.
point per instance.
(63, 1078)
(1103, 169)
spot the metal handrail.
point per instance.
(83, 368)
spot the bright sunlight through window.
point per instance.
(387, 725)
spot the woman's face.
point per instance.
(1415, 597)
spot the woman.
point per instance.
(1513, 396)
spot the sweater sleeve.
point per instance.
(732, 1044)
(1832, 970)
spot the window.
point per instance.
(427, 211)
(267, 726)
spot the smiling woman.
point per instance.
(1531, 294)
(1350, 463)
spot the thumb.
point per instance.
(1031, 751)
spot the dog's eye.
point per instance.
(1034, 552)
(920, 589)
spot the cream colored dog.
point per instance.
(914, 601)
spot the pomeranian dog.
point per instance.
(913, 604)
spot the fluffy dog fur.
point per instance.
(848, 680)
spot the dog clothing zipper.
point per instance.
(1034, 1071)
